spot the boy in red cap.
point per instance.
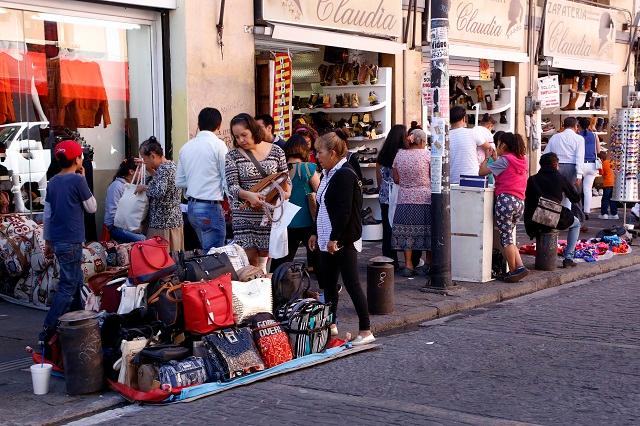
(67, 195)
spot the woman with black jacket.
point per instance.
(339, 230)
(550, 184)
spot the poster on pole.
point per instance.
(282, 95)
(549, 92)
(438, 138)
(425, 90)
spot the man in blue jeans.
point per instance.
(67, 196)
(201, 173)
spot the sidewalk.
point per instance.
(19, 326)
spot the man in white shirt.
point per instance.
(568, 145)
(201, 172)
(463, 154)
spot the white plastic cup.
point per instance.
(40, 375)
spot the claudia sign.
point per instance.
(374, 17)
(578, 31)
(489, 23)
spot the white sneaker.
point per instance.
(359, 341)
(603, 216)
(614, 217)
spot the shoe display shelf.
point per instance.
(502, 109)
(578, 105)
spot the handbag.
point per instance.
(236, 351)
(150, 260)
(132, 297)
(161, 353)
(271, 340)
(97, 282)
(279, 235)
(547, 212)
(128, 370)
(132, 208)
(270, 186)
(148, 378)
(110, 295)
(236, 254)
(312, 200)
(180, 374)
(166, 303)
(179, 257)
(251, 298)
(208, 267)
(207, 305)
(249, 273)
(94, 260)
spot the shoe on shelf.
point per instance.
(586, 216)
(355, 102)
(614, 217)
(366, 212)
(406, 272)
(569, 263)
(370, 191)
(359, 341)
(603, 216)
(373, 98)
(370, 220)
(369, 151)
(339, 101)
(367, 181)
(334, 330)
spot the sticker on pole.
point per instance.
(436, 175)
(437, 137)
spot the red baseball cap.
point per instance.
(71, 149)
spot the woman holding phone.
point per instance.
(339, 230)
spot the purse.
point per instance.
(180, 374)
(128, 370)
(150, 260)
(158, 354)
(237, 255)
(148, 378)
(271, 340)
(166, 303)
(270, 186)
(132, 208)
(97, 282)
(249, 273)
(236, 351)
(110, 295)
(94, 260)
(179, 257)
(132, 297)
(251, 298)
(208, 267)
(547, 212)
(207, 305)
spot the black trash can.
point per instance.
(547, 251)
(380, 285)
(81, 352)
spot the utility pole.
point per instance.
(440, 277)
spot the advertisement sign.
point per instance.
(282, 95)
(549, 92)
(425, 90)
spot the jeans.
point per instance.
(295, 237)
(207, 219)
(572, 238)
(344, 262)
(123, 236)
(569, 171)
(67, 297)
(608, 205)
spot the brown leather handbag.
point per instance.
(268, 187)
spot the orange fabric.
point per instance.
(607, 174)
(20, 72)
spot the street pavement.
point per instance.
(566, 355)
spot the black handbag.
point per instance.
(235, 351)
(181, 256)
(161, 353)
(165, 302)
(208, 267)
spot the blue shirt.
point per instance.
(65, 195)
(114, 193)
(589, 146)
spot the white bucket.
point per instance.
(40, 375)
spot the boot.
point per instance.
(319, 101)
(574, 84)
(599, 124)
(587, 101)
(488, 101)
(356, 72)
(460, 86)
(326, 101)
(594, 84)
(347, 73)
(328, 79)
(339, 101)
(503, 117)
(373, 74)
(596, 103)
(581, 84)
(587, 83)
(498, 81)
(605, 125)
(346, 100)
(355, 102)
(363, 73)
(593, 122)
(480, 93)
(571, 105)
(322, 70)
(469, 100)
(312, 100)
(337, 74)
(467, 83)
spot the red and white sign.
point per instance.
(549, 92)
(282, 95)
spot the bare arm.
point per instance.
(484, 169)
(396, 176)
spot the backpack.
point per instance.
(307, 322)
(287, 283)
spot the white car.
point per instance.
(24, 157)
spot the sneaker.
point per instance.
(517, 275)
(569, 263)
(603, 216)
(406, 272)
(334, 330)
(614, 217)
(359, 341)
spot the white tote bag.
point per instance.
(132, 297)
(250, 298)
(132, 208)
(278, 239)
(393, 201)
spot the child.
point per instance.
(67, 195)
(607, 206)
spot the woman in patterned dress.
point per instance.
(251, 228)
(165, 216)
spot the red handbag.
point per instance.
(150, 261)
(208, 305)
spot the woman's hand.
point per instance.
(332, 247)
(254, 199)
(140, 189)
(313, 242)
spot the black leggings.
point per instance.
(387, 249)
(296, 236)
(344, 262)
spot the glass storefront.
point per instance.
(71, 75)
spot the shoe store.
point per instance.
(315, 85)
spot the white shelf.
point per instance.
(366, 139)
(370, 195)
(368, 108)
(367, 165)
(498, 110)
(355, 86)
(580, 112)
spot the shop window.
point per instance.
(62, 77)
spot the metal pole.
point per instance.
(440, 277)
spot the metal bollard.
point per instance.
(380, 285)
(547, 251)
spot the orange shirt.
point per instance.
(607, 174)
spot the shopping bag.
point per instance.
(132, 208)
(393, 201)
(278, 240)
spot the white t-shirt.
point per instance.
(463, 158)
(482, 135)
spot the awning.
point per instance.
(333, 38)
(469, 51)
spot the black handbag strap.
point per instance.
(255, 162)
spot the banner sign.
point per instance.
(373, 17)
(549, 92)
(579, 32)
(282, 95)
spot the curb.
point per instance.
(492, 292)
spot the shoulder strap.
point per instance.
(255, 162)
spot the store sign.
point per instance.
(576, 31)
(495, 24)
(374, 17)
(282, 95)
(549, 92)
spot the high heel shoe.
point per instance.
(587, 101)
(373, 74)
